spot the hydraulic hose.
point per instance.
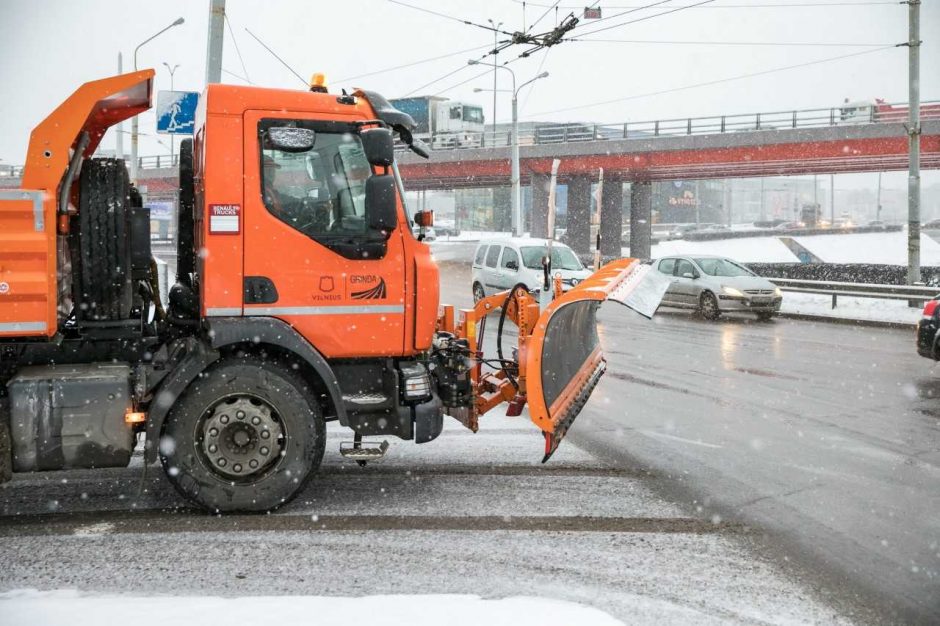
(499, 332)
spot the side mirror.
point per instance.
(512, 265)
(290, 139)
(689, 275)
(378, 145)
(381, 207)
(420, 148)
(424, 219)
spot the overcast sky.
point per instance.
(49, 47)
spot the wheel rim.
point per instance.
(241, 438)
(709, 306)
(478, 293)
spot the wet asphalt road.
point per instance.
(825, 435)
(722, 472)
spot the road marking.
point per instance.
(694, 442)
(94, 530)
(161, 522)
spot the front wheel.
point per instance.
(246, 436)
(708, 306)
(765, 316)
(478, 293)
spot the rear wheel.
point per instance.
(478, 293)
(104, 240)
(247, 436)
(708, 306)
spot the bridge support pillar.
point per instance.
(611, 218)
(641, 210)
(539, 214)
(579, 215)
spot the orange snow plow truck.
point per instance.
(301, 296)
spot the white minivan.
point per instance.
(500, 264)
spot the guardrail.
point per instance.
(911, 293)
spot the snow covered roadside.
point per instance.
(72, 608)
(848, 309)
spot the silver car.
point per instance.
(713, 285)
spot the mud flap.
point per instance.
(564, 359)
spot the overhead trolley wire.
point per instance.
(718, 81)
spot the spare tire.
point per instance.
(104, 211)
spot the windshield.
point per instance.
(562, 258)
(474, 115)
(723, 267)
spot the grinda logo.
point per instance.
(374, 293)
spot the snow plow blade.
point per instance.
(564, 359)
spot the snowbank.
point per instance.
(762, 249)
(40, 608)
(887, 248)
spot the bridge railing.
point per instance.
(574, 132)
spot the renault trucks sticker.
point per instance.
(224, 219)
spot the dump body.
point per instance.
(30, 255)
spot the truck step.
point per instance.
(363, 450)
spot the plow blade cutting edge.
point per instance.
(564, 359)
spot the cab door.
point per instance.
(310, 258)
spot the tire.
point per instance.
(104, 211)
(708, 306)
(262, 397)
(478, 292)
(765, 317)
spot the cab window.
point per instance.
(510, 259)
(492, 257)
(319, 192)
(481, 254)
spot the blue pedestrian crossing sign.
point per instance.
(176, 112)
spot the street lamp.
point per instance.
(172, 71)
(516, 188)
(134, 121)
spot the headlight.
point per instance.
(777, 292)
(731, 291)
(415, 382)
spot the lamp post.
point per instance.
(516, 187)
(134, 121)
(172, 71)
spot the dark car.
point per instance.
(927, 329)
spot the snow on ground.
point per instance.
(887, 248)
(863, 309)
(39, 608)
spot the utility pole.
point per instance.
(913, 131)
(214, 49)
(495, 45)
(832, 199)
(119, 132)
(878, 201)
